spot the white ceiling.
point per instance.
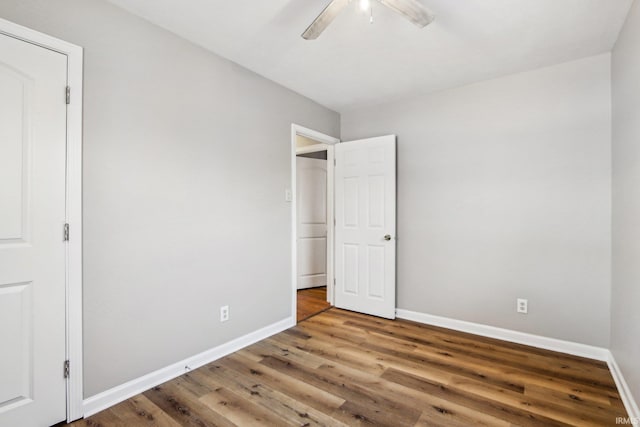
(354, 63)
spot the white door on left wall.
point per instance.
(32, 248)
(312, 215)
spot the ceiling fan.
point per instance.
(413, 10)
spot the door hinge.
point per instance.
(66, 369)
(67, 95)
(334, 282)
(66, 233)
(335, 163)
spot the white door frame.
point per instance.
(312, 149)
(73, 205)
(328, 140)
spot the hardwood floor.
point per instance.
(346, 369)
(311, 302)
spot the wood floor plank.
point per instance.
(340, 368)
(430, 405)
(335, 330)
(351, 392)
(564, 385)
(361, 414)
(104, 418)
(241, 411)
(190, 382)
(445, 418)
(570, 415)
(186, 410)
(270, 346)
(292, 410)
(140, 411)
(337, 352)
(498, 409)
(292, 387)
(593, 409)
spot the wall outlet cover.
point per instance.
(522, 305)
(224, 313)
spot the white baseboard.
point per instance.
(124, 391)
(553, 344)
(623, 388)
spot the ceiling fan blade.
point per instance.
(324, 19)
(413, 10)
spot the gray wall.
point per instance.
(504, 191)
(625, 307)
(186, 158)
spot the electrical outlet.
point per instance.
(288, 195)
(522, 306)
(224, 313)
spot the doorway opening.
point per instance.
(313, 221)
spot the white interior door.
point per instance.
(365, 208)
(32, 250)
(312, 222)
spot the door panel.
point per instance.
(375, 262)
(376, 201)
(351, 268)
(312, 222)
(365, 191)
(15, 110)
(16, 369)
(314, 262)
(32, 250)
(351, 202)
